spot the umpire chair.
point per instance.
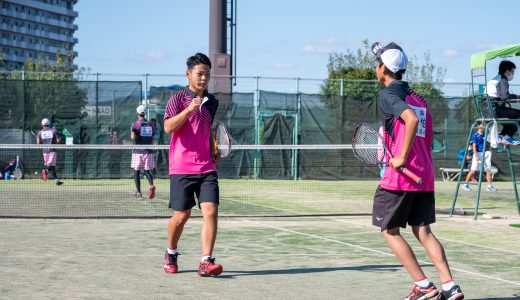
(483, 106)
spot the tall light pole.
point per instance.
(221, 57)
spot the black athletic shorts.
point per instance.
(184, 187)
(397, 208)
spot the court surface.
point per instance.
(263, 258)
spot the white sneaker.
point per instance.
(491, 188)
(466, 187)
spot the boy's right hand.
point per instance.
(195, 104)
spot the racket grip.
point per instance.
(412, 175)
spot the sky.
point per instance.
(291, 38)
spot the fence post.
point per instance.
(97, 123)
(296, 131)
(256, 103)
(146, 90)
(24, 117)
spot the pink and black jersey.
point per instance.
(190, 145)
(393, 101)
(143, 131)
(48, 136)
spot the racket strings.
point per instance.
(367, 145)
(223, 141)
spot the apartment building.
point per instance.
(36, 28)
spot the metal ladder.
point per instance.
(511, 163)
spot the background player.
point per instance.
(141, 133)
(48, 136)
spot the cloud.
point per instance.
(450, 80)
(312, 49)
(484, 47)
(152, 56)
(324, 46)
(282, 65)
(451, 52)
(149, 57)
(329, 41)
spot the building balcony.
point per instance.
(16, 58)
(62, 10)
(38, 19)
(40, 33)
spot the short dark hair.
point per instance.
(505, 65)
(198, 59)
(397, 75)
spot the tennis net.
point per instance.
(255, 180)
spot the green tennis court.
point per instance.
(61, 252)
(264, 258)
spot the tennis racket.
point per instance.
(222, 141)
(368, 146)
(17, 170)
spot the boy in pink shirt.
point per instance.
(188, 118)
(399, 200)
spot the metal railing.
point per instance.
(242, 84)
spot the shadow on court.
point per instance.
(500, 298)
(235, 273)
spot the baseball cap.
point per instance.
(141, 110)
(391, 55)
(45, 122)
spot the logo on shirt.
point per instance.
(420, 112)
(146, 131)
(46, 134)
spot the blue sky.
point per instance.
(290, 38)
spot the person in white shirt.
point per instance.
(498, 90)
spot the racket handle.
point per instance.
(411, 175)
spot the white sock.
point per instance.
(423, 283)
(171, 251)
(448, 285)
(204, 258)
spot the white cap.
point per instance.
(141, 110)
(46, 122)
(391, 55)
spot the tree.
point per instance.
(353, 73)
(427, 80)
(47, 90)
(9, 95)
(355, 70)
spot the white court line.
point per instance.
(265, 206)
(377, 251)
(146, 199)
(159, 254)
(444, 239)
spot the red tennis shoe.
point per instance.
(151, 192)
(208, 267)
(170, 263)
(420, 293)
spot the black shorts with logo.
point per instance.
(397, 208)
(184, 187)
